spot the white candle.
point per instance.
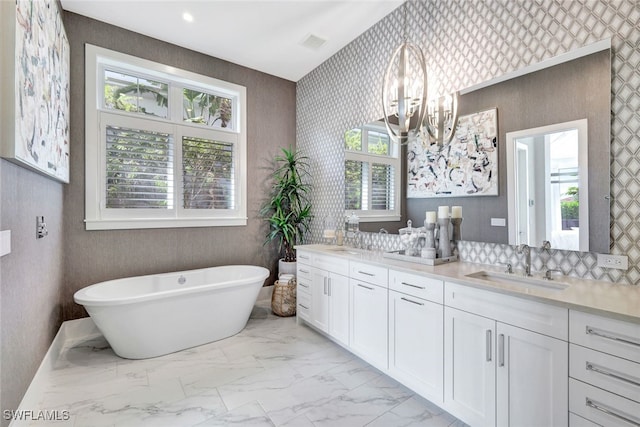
(456, 211)
(443, 212)
(430, 217)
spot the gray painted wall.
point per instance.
(31, 276)
(94, 256)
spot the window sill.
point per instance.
(379, 218)
(131, 224)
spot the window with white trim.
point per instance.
(164, 147)
(372, 174)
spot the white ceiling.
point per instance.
(264, 35)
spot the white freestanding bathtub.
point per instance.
(148, 316)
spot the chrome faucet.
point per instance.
(524, 249)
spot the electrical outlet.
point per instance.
(620, 262)
(498, 222)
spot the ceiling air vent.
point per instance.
(313, 42)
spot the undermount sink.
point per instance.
(518, 280)
(346, 250)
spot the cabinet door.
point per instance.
(416, 344)
(470, 370)
(532, 379)
(339, 307)
(369, 322)
(320, 300)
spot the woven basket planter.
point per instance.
(283, 300)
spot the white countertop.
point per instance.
(598, 297)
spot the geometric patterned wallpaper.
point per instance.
(466, 43)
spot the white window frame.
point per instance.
(97, 216)
(392, 159)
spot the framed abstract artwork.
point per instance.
(467, 166)
(35, 87)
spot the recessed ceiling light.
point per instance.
(187, 17)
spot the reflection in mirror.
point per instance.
(372, 173)
(547, 175)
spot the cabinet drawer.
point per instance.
(417, 286)
(369, 273)
(602, 407)
(304, 257)
(304, 272)
(304, 286)
(611, 336)
(303, 308)
(537, 317)
(611, 373)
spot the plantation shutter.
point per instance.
(382, 185)
(208, 173)
(139, 169)
(355, 185)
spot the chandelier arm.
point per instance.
(454, 120)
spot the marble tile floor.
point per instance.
(273, 373)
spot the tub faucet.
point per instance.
(524, 249)
(182, 280)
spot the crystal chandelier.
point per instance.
(401, 98)
(442, 119)
(406, 100)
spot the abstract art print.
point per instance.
(467, 166)
(40, 89)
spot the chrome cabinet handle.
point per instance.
(413, 286)
(303, 256)
(366, 273)
(304, 271)
(612, 374)
(413, 302)
(366, 287)
(488, 345)
(325, 285)
(610, 411)
(303, 306)
(596, 332)
(501, 350)
(329, 286)
(303, 285)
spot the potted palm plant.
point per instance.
(288, 209)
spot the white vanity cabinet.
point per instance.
(604, 371)
(368, 314)
(416, 333)
(506, 359)
(323, 287)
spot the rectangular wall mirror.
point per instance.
(576, 86)
(547, 167)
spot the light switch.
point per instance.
(5, 242)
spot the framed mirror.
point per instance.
(574, 86)
(547, 167)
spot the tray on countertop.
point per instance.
(399, 255)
